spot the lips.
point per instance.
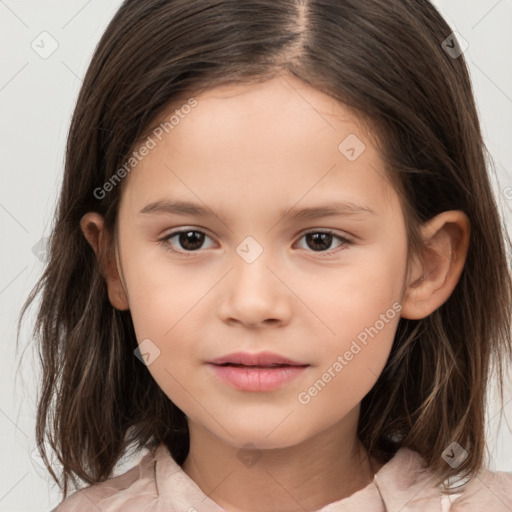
(259, 360)
(263, 372)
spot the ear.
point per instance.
(92, 226)
(436, 272)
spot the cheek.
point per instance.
(350, 366)
(160, 292)
(163, 305)
(166, 301)
(359, 308)
(352, 297)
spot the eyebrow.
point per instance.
(331, 209)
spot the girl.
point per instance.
(277, 265)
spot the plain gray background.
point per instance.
(37, 97)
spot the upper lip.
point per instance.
(257, 359)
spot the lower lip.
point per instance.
(257, 379)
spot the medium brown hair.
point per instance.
(385, 61)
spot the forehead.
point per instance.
(280, 139)
(283, 105)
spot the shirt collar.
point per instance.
(402, 484)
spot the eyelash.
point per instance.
(344, 242)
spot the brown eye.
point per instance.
(187, 240)
(191, 240)
(321, 241)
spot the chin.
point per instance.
(267, 436)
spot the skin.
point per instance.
(251, 151)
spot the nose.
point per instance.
(255, 295)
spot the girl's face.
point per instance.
(274, 166)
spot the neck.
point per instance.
(321, 470)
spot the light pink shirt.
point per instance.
(158, 484)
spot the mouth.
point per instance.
(256, 360)
(262, 371)
(260, 366)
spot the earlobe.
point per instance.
(93, 228)
(437, 271)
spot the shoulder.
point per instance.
(487, 491)
(132, 491)
(406, 484)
